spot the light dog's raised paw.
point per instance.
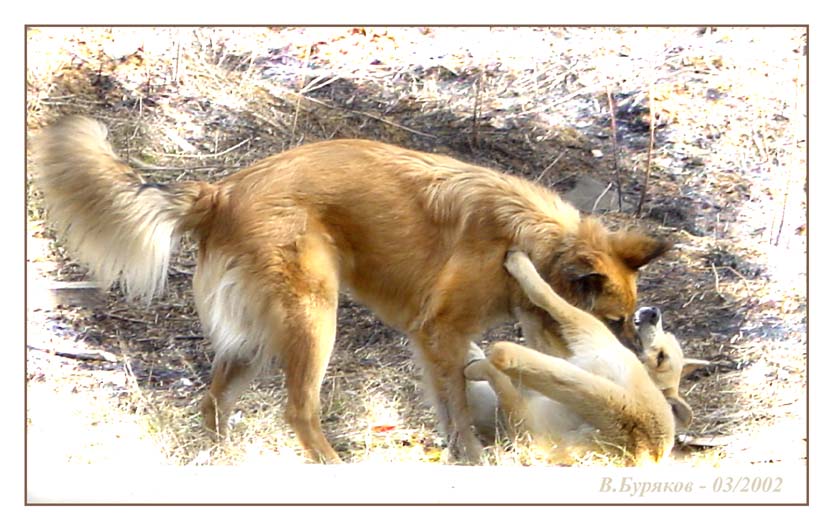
(499, 357)
(515, 261)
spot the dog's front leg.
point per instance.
(443, 362)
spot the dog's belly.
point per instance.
(547, 419)
(611, 367)
(410, 272)
(392, 292)
(553, 419)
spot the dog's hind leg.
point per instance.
(231, 319)
(304, 357)
(230, 377)
(278, 305)
(306, 322)
(510, 401)
(601, 402)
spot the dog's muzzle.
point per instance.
(647, 315)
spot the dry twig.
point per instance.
(599, 198)
(298, 101)
(475, 117)
(215, 155)
(550, 166)
(650, 151)
(365, 114)
(612, 106)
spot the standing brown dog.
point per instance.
(419, 238)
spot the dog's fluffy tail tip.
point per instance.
(118, 225)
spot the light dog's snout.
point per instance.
(647, 315)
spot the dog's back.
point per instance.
(388, 208)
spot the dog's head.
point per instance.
(595, 270)
(663, 358)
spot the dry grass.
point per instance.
(727, 183)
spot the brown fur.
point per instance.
(419, 238)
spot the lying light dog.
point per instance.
(596, 396)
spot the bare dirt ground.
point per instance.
(109, 381)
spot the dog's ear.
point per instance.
(690, 364)
(586, 280)
(681, 410)
(636, 249)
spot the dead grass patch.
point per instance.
(198, 103)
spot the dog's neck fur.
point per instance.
(523, 212)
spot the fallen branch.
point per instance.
(742, 277)
(127, 319)
(78, 355)
(713, 440)
(690, 300)
(141, 166)
(392, 124)
(84, 293)
(88, 356)
(317, 84)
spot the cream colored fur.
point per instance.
(119, 229)
(597, 395)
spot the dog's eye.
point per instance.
(613, 321)
(661, 357)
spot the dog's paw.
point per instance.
(512, 261)
(213, 422)
(464, 448)
(518, 263)
(500, 357)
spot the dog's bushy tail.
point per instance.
(123, 228)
